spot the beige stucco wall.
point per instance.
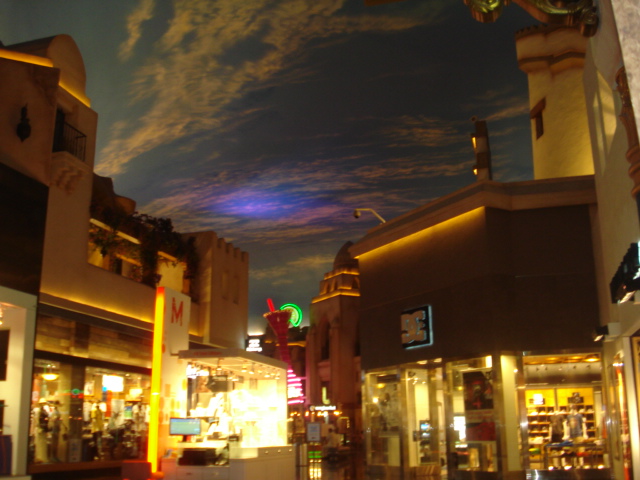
(223, 288)
(614, 45)
(553, 61)
(34, 86)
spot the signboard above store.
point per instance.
(254, 344)
(322, 408)
(416, 327)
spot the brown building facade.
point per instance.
(476, 318)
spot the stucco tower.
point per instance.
(553, 59)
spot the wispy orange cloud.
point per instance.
(189, 80)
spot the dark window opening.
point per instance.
(536, 116)
(4, 355)
(67, 138)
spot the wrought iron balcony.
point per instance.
(69, 139)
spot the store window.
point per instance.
(383, 416)
(238, 402)
(564, 411)
(619, 428)
(85, 413)
(473, 445)
(425, 435)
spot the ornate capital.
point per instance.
(580, 13)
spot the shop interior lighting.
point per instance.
(49, 374)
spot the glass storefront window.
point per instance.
(404, 419)
(240, 402)
(619, 428)
(564, 411)
(383, 417)
(473, 445)
(82, 413)
(425, 436)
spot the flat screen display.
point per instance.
(185, 426)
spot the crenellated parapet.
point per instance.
(230, 251)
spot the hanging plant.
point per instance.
(157, 235)
(154, 234)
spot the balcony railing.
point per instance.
(70, 139)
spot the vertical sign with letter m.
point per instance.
(415, 327)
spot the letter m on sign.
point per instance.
(415, 327)
(176, 311)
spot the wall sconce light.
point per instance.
(626, 280)
(481, 149)
(23, 130)
(606, 332)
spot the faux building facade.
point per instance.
(489, 282)
(72, 284)
(333, 345)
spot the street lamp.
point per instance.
(357, 213)
(480, 141)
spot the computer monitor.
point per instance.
(185, 427)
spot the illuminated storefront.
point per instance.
(477, 352)
(235, 425)
(438, 417)
(90, 393)
(23, 208)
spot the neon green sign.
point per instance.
(296, 313)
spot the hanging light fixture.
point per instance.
(49, 374)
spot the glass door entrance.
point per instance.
(425, 417)
(404, 421)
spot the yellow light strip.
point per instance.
(343, 271)
(156, 381)
(79, 95)
(451, 227)
(43, 62)
(344, 293)
(26, 58)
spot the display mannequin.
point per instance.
(556, 429)
(97, 425)
(41, 422)
(55, 425)
(575, 426)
